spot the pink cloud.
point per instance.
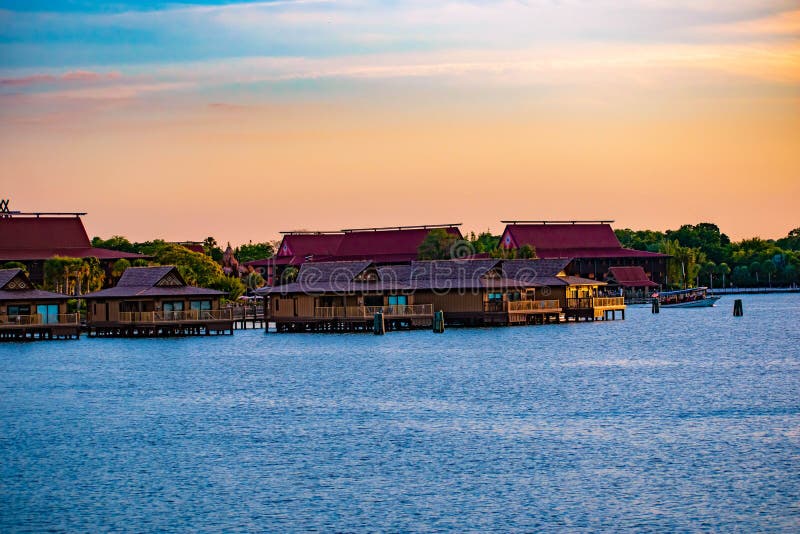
(75, 76)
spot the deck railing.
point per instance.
(176, 316)
(408, 310)
(595, 302)
(609, 302)
(533, 305)
(38, 319)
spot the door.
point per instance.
(48, 312)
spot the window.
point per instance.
(495, 296)
(19, 310)
(176, 305)
(398, 300)
(201, 304)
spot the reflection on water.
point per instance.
(689, 419)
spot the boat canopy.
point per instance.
(682, 291)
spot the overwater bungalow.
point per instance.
(345, 295)
(632, 283)
(30, 313)
(156, 301)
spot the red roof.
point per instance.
(379, 245)
(556, 240)
(303, 245)
(39, 238)
(631, 277)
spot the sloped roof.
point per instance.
(340, 277)
(23, 290)
(40, 238)
(631, 277)
(157, 281)
(554, 240)
(319, 245)
(145, 276)
(386, 243)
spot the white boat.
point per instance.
(695, 297)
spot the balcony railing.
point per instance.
(609, 302)
(38, 319)
(595, 302)
(176, 316)
(533, 305)
(409, 310)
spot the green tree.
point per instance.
(15, 265)
(791, 241)
(289, 275)
(212, 249)
(253, 280)
(115, 242)
(723, 270)
(119, 267)
(254, 251)
(232, 286)
(768, 268)
(437, 245)
(73, 276)
(707, 272)
(484, 242)
(741, 276)
(526, 252)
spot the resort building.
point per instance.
(383, 246)
(156, 301)
(592, 246)
(345, 295)
(33, 238)
(29, 313)
(631, 282)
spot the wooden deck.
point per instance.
(165, 324)
(357, 319)
(34, 327)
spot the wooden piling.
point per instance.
(378, 326)
(738, 309)
(656, 306)
(438, 322)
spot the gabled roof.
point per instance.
(39, 238)
(157, 281)
(14, 285)
(331, 271)
(631, 277)
(558, 240)
(381, 245)
(319, 245)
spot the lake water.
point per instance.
(686, 420)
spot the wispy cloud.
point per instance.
(67, 78)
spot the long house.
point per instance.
(30, 313)
(156, 301)
(345, 295)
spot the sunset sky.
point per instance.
(239, 120)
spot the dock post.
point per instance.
(656, 306)
(738, 309)
(438, 322)
(378, 326)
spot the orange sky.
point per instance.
(649, 134)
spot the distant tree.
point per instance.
(115, 242)
(707, 272)
(253, 280)
(741, 276)
(212, 249)
(119, 267)
(139, 262)
(437, 245)
(769, 268)
(233, 287)
(723, 270)
(15, 265)
(73, 276)
(289, 275)
(791, 241)
(254, 251)
(484, 242)
(526, 252)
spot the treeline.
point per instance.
(199, 269)
(703, 255)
